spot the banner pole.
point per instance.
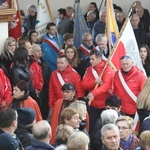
(48, 4)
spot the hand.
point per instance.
(90, 96)
(98, 80)
(3, 104)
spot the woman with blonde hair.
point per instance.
(83, 115)
(62, 134)
(78, 141)
(143, 101)
(70, 116)
(143, 105)
(8, 52)
(144, 141)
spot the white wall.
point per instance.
(56, 4)
(4, 28)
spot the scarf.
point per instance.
(126, 144)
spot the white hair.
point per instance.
(32, 7)
(101, 37)
(108, 127)
(61, 147)
(109, 116)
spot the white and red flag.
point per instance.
(126, 45)
(15, 24)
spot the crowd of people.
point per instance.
(54, 95)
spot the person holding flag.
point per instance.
(129, 79)
(98, 73)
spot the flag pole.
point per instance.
(48, 4)
(18, 11)
(77, 1)
(12, 4)
(131, 8)
(101, 5)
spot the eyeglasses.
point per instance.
(123, 128)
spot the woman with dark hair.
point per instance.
(21, 98)
(145, 56)
(72, 55)
(93, 7)
(68, 90)
(74, 60)
(33, 37)
(20, 70)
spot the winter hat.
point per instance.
(8, 142)
(25, 115)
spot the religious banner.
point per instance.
(44, 16)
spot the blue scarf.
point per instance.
(126, 144)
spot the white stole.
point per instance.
(131, 94)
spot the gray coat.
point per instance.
(62, 26)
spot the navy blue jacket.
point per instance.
(38, 145)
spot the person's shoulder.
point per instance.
(58, 102)
(27, 17)
(135, 138)
(29, 148)
(54, 73)
(97, 22)
(30, 99)
(138, 70)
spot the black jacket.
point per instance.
(6, 60)
(104, 148)
(22, 72)
(24, 134)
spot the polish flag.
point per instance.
(126, 45)
(15, 24)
